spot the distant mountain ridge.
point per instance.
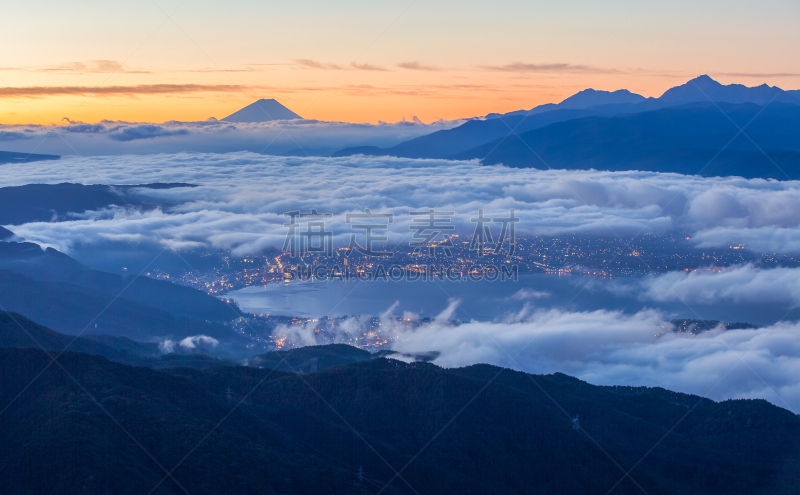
(702, 89)
(668, 139)
(582, 100)
(446, 143)
(262, 111)
(590, 97)
(691, 139)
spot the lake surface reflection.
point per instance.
(483, 300)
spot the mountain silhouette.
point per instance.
(474, 430)
(591, 97)
(448, 142)
(702, 139)
(588, 98)
(262, 111)
(680, 131)
(704, 89)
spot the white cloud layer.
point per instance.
(242, 197)
(737, 284)
(188, 344)
(604, 348)
(298, 137)
(609, 348)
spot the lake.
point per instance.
(483, 300)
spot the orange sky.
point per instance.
(364, 62)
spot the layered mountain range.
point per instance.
(66, 295)
(701, 127)
(90, 425)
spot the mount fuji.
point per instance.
(262, 111)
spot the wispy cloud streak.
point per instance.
(141, 89)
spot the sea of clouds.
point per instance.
(611, 348)
(241, 198)
(604, 348)
(295, 137)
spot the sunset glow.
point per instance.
(364, 62)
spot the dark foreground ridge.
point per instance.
(475, 430)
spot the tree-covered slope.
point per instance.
(480, 429)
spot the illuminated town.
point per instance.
(275, 332)
(567, 255)
(563, 256)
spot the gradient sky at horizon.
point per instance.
(359, 61)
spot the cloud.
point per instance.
(13, 136)
(141, 89)
(80, 127)
(114, 66)
(196, 341)
(525, 294)
(611, 348)
(144, 131)
(92, 67)
(602, 347)
(761, 239)
(316, 64)
(415, 65)
(241, 198)
(249, 193)
(757, 74)
(390, 311)
(167, 346)
(428, 90)
(547, 68)
(368, 66)
(300, 137)
(446, 315)
(738, 284)
(188, 344)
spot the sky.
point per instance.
(359, 61)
